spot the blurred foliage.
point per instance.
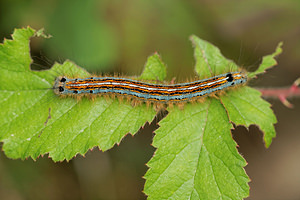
(118, 36)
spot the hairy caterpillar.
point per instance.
(173, 93)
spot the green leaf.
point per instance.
(245, 107)
(12, 56)
(34, 121)
(155, 69)
(209, 60)
(196, 157)
(267, 62)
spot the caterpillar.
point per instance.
(172, 93)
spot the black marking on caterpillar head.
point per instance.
(63, 80)
(60, 89)
(229, 77)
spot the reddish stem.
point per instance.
(282, 93)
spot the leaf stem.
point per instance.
(282, 93)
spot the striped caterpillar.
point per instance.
(173, 93)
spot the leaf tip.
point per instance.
(41, 33)
(268, 61)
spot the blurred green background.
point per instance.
(118, 36)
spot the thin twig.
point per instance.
(282, 93)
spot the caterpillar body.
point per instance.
(148, 92)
